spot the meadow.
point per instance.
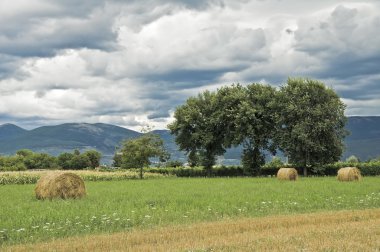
(113, 206)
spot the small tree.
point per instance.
(79, 162)
(65, 160)
(174, 163)
(94, 157)
(40, 161)
(136, 153)
(352, 159)
(117, 159)
(275, 162)
(24, 152)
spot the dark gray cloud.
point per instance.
(45, 37)
(131, 63)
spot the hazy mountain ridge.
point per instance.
(10, 130)
(66, 137)
(364, 140)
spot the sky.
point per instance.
(131, 63)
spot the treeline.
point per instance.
(371, 168)
(26, 159)
(304, 119)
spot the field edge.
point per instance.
(357, 230)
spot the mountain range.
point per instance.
(363, 141)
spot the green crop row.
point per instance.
(26, 177)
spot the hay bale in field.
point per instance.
(349, 174)
(60, 185)
(287, 174)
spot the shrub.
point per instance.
(40, 161)
(174, 163)
(12, 163)
(352, 159)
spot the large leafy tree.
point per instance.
(312, 123)
(249, 117)
(198, 129)
(136, 153)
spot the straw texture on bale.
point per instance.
(287, 174)
(349, 174)
(60, 185)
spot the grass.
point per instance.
(113, 206)
(332, 231)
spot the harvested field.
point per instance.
(329, 231)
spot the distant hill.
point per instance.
(10, 130)
(65, 137)
(363, 142)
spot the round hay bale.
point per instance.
(349, 174)
(60, 185)
(287, 174)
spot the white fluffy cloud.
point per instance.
(131, 63)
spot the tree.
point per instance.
(24, 152)
(198, 130)
(312, 123)
(94, 157)
(12, 163)
(65, 160)
(79, 162)
(40, 161)
(117, 159)
(136, 153)
(174, 163)
(352, 159)
(249, 118)
(75, 161)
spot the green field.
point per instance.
(121, 205)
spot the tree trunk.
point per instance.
(307, 161)
(141, 173)
(209, 171)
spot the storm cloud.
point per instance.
(132, 63)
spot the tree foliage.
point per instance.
(40, 161)
(94, 157)
(312, 123)
(352, 159)
(79, 161)
(137, 152)
(249, 115)
(198, 129)
(305, 119)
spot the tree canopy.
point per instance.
(304, 118)
(137, 152)
(312, 123)
(198, 129)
